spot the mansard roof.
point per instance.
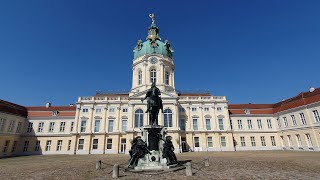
(11, 108)
(304, 98)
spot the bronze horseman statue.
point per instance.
(154, 104)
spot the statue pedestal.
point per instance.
(153, 161)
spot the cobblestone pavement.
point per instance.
(223, 165)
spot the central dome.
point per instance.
(148, 47)
(153, 44)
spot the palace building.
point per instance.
(107, 122)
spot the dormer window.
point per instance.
(247, 111)
(55, 113)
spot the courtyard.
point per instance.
(223, 165)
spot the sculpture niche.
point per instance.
(154, 104)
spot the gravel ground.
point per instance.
(223, 165)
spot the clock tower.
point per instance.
(153, 62)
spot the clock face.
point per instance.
(153, 60)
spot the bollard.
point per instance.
(115, 172)
(206, 162)
(98, 165)
(189, 169)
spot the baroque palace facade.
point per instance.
(107, 122)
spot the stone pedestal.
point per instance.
(153, 161)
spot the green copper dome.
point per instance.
(153, 43)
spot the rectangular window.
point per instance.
(6, 145)
(2, 124)
(219, 109)
(25, 147)
(83, 126)
(193, 109)
(285, 121)
(71, 127)
(124, 125)
(40, 126)
(221, 124)
(109, 143)
(279, 123)
(30, 125)
(37, 146)
(19, 127)
(14, 146)
(196, 142)
(289, 140)
(139, 77)
(81, 143)
(253, 141)
(111, 109)
(223, 141)
(85, 110)
(167, 77)
(51, 127)
(195, 124)
(62, 126)
(239, 124)
(249, 124)
(210, 144)
(303, 119)
(95, 143)
(181, 109)
(110, 126)
(208, 124)
(69, 145)
(293, 120)
(97, 125)
(48, 145)
(243, 142)
(125, 110)
(269, 123)
(59, 145)
(98, 110)
(11, 125)
(206, 109)
(309, 141)
(298, 140)
(183, 124)
(259, 123)
(316, 116)
(263, 141)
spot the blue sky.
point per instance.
(250, 51)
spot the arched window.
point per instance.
(153, 75)
(167, 118)
(139, 77)
(166, 78)
(138, 118)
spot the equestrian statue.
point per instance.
(154, 104)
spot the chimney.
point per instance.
(71, 105)
(48, 104)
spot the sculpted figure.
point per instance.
(168, 151)
(154, 103)
(138, 150)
